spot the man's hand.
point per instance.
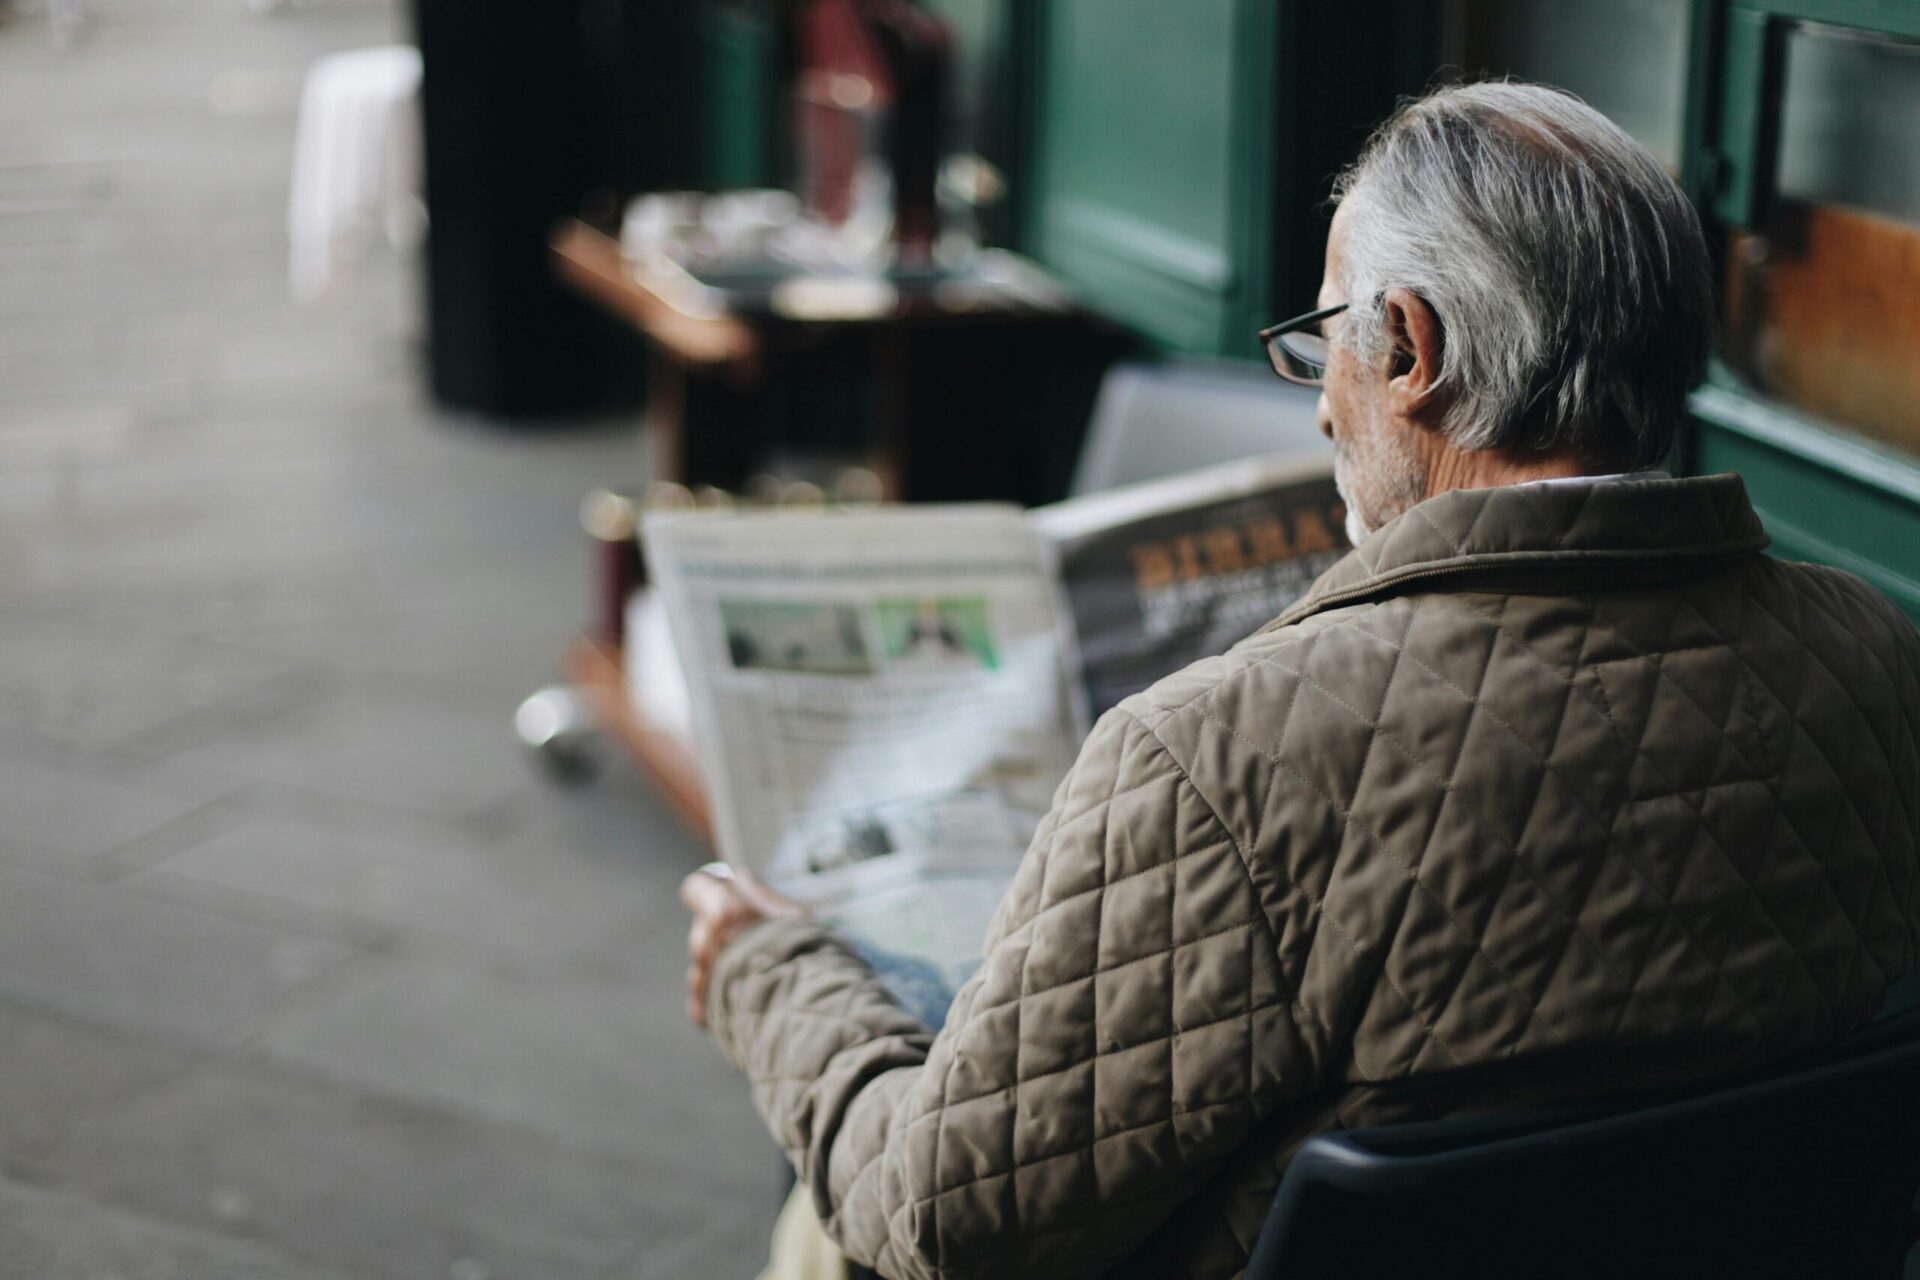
(723, 902)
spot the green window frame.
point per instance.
(1825, 493)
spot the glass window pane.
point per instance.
(1850, 121)
(1823, 298)
(1626, 58)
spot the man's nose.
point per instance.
(1324, 413)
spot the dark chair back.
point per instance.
(1810, 1170)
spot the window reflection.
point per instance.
(1625, 58)
(1823, 297)
(1850, 121)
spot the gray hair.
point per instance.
(1568, 270)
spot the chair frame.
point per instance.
(1736, 1179)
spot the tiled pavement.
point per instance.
(302, 972)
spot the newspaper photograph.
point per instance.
(1159, 575)
(881, 707)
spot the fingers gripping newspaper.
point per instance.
(882, 707)
(885, 701)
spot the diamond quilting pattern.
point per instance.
(1426, 837)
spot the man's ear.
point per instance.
(1418, 345)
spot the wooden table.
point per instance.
(974, 386)
(591, 262)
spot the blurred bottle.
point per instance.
(869, 112)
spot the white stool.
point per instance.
(356, 163)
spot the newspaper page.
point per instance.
(1161, 574)
(881, 705)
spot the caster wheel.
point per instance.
(558, 732)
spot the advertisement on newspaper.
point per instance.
(1157, 576)
(882, 709)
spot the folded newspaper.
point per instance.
(884, 701)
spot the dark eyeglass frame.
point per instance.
(1297, 356)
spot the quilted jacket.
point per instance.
(1543, 790)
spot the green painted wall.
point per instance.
(740, 75)
(1151, 161)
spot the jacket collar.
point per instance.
(1589, 524)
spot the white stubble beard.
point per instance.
(1379, 493)
(1357, 527)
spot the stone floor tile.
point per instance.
(79, 688)
(80, 811)
(47, 1235)
(339, 1177)
(594, 1064)
(96, 952)
(62, 1074)
(437, 757)
(509, 903)
(250, 570)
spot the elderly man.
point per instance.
(1556, 785)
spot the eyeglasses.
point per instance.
(1298, 349)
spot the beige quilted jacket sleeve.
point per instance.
(1129, 1026)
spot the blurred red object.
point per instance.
(872, 88)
